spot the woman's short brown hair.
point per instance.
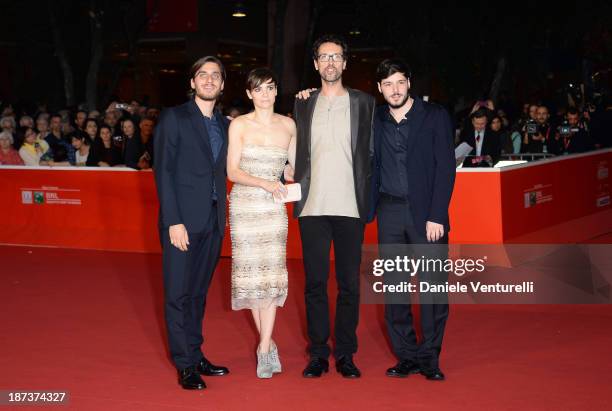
(258, 76)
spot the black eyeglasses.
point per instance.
(336, 57)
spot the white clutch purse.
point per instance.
(294, 193)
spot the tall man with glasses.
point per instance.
(190, 153)
(334, 128)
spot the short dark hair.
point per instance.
(81, 138)
(21, 131)
(389, 67)
(203, 60)
(329, 38)
(573, 111)
(130, 119)
(106, 126)
(54, 115)
(258, 76)
(480, 113)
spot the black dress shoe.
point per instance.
(403, 369)
(315, 368)
(190, 379)
(434, 374)
(205, 367)
(346, 367)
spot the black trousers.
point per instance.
(317, 234)
(396, 226)
(187, 276)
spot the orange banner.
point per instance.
(565, 199)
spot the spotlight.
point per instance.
(239, 10)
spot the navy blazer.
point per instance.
(185, 169)
(430, 165)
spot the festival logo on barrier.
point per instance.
(26, 197)
(538, 194)
(603, 187)
(39, 197)
(50, 195)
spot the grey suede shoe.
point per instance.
(275, 359)
(264, 365)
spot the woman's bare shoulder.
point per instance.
(285, 120)
(239, 122)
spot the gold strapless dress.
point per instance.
(258, 229)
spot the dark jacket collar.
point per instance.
(198, 125)
(194, 109)
(383, 112)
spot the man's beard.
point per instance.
(401, 103)
(208, 97)
(331, 78)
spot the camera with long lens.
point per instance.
(531, 127)
(565, 129)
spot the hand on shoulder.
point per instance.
(304, 94)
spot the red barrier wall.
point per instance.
(560, 200)
(540, 198)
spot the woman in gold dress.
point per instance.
(260, 143)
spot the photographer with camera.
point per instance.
(538, 133)
(571, 136)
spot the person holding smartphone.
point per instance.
(33, 150)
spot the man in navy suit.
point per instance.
(190, 154)
(413, 178)
(486, 146)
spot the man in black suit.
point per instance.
(413, 179)
(333, 167)
(486, 145)
(190, 151)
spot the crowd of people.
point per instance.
(122, 136)
(493, 135)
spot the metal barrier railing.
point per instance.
(526, 156)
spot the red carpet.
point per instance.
(91, 323)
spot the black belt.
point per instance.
(393, 199)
